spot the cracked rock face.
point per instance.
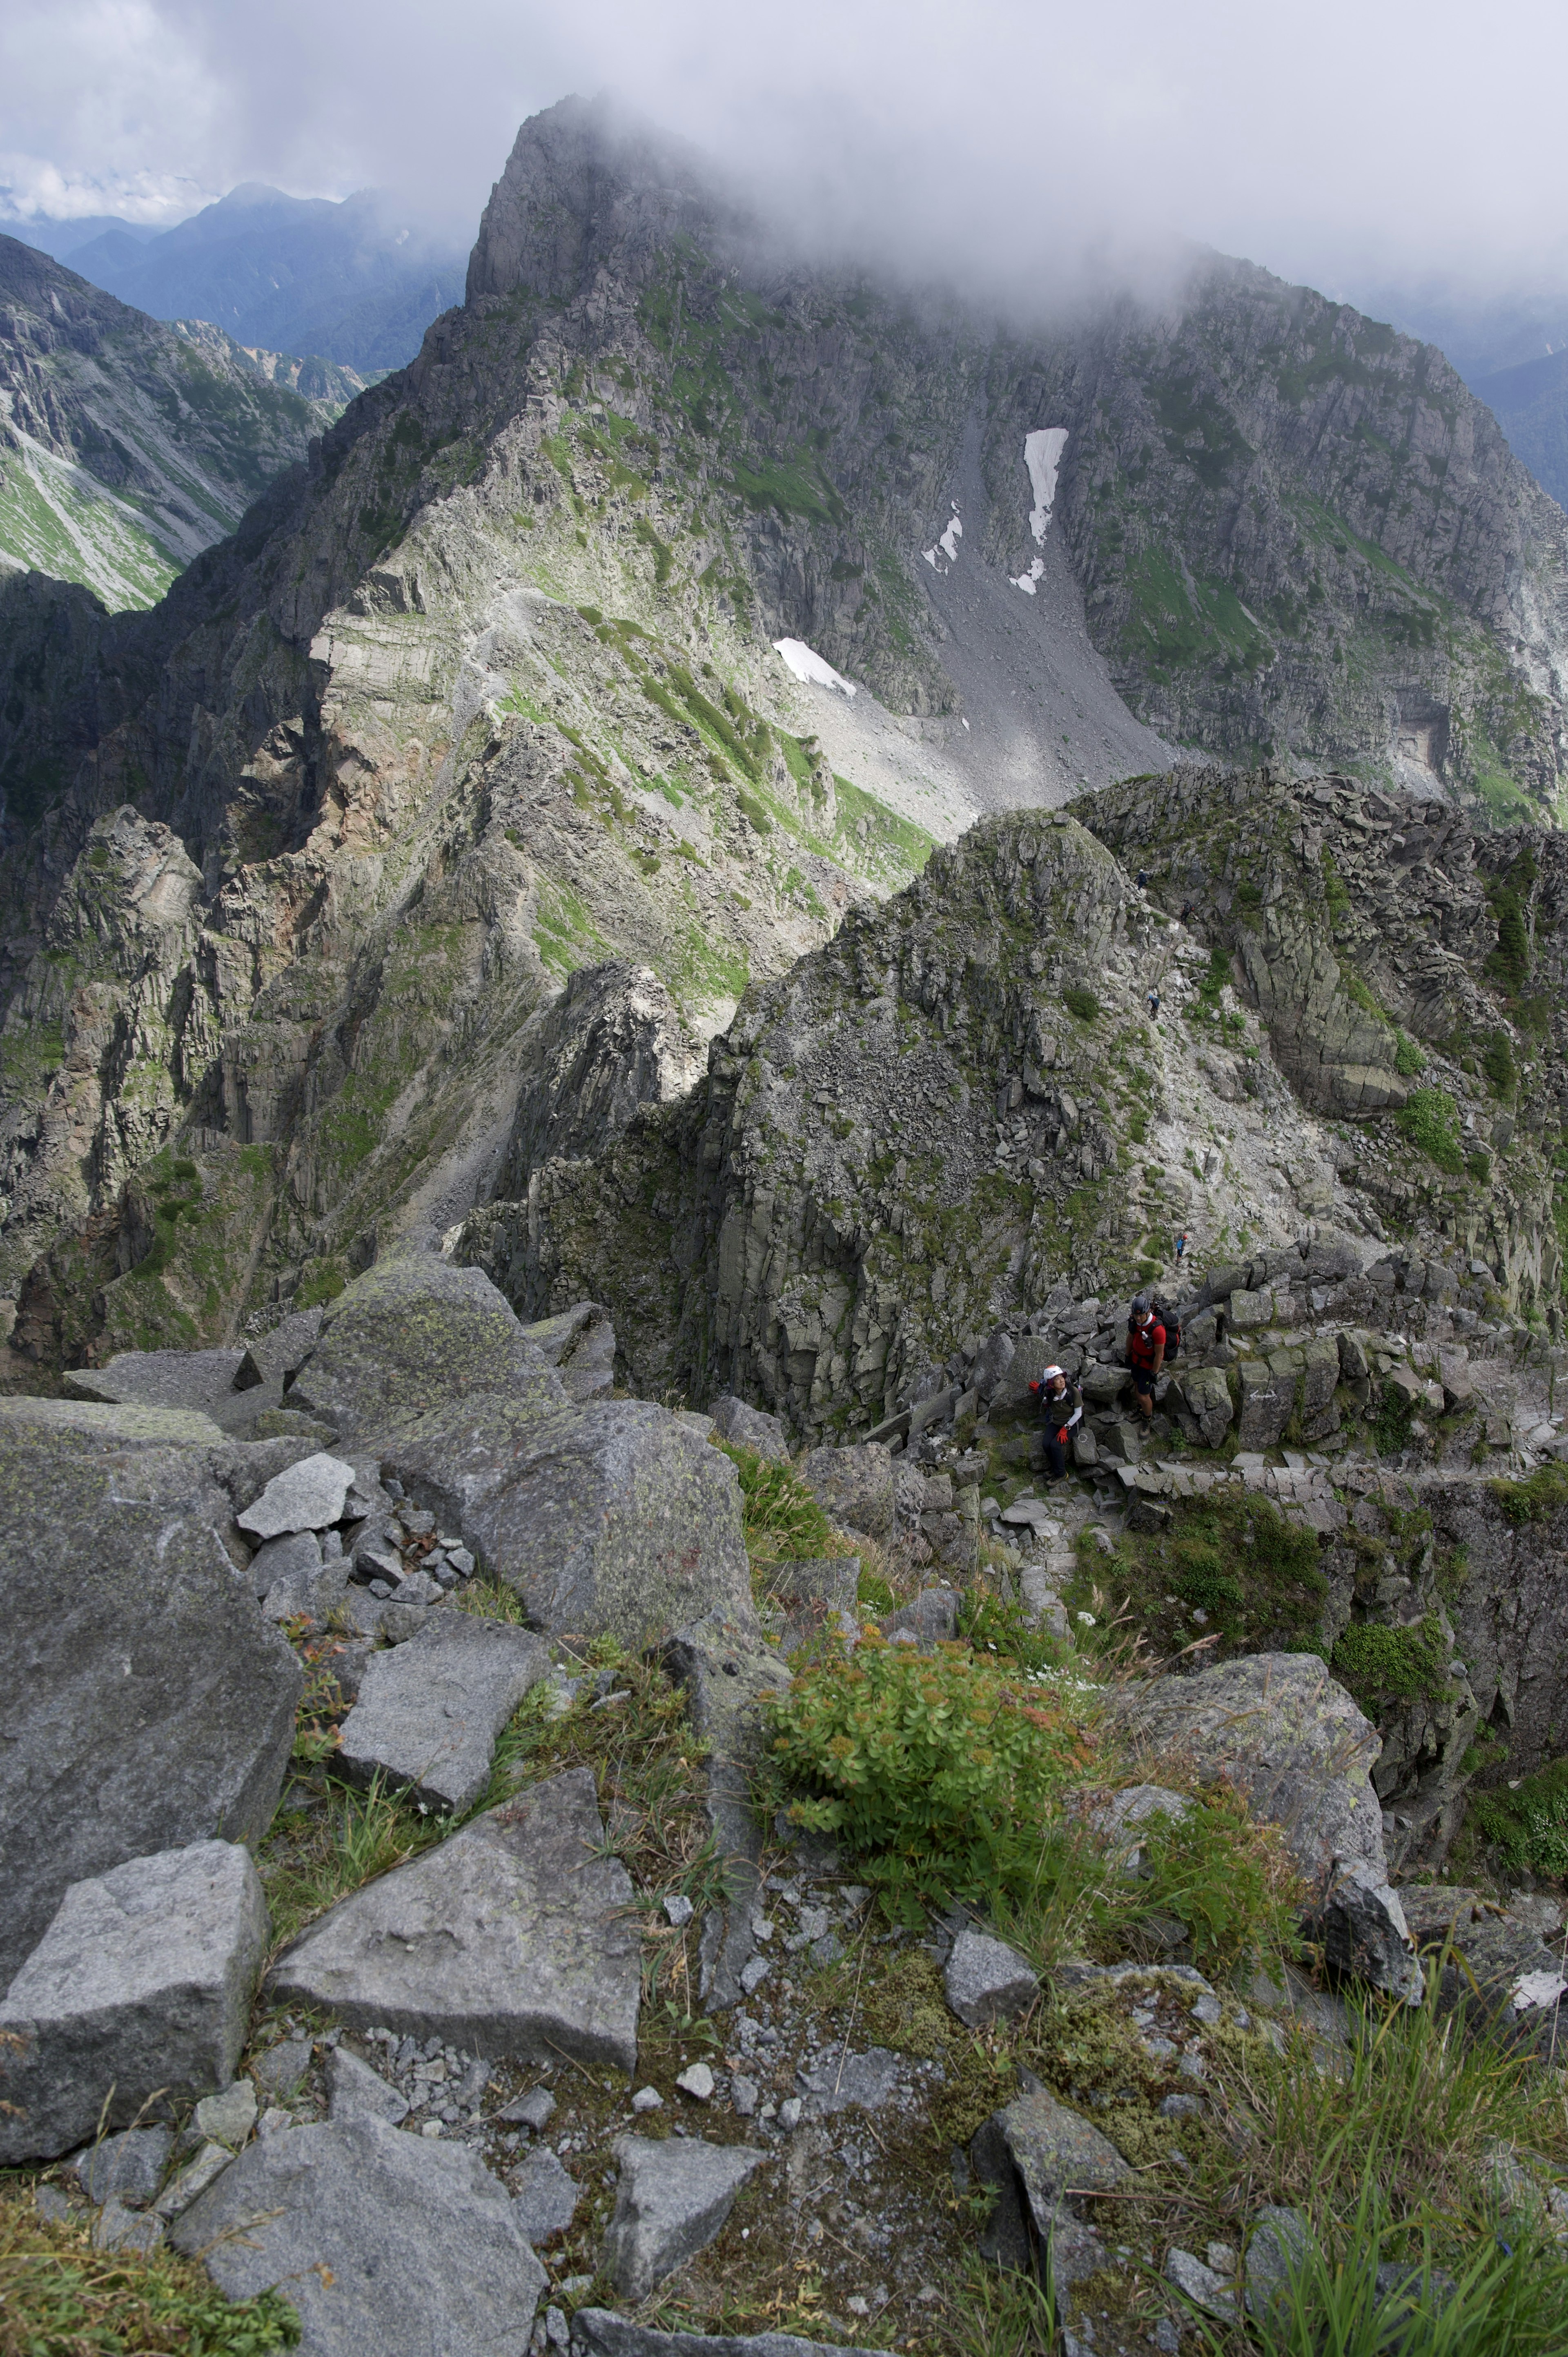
(147, 1677)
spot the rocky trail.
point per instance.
(453, 1965)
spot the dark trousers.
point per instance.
(1055, 1451)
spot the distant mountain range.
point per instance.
(127, 446)
(350, 281)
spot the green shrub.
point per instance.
(780, 1518)
(1391, 1425)
(1431, 1121)
(937, 1772)
(1479, 1166)
(1379, 1663)
(1497, 1063)
(1080, 1001)
(1408, 1058)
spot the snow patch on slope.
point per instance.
(947, 544)
(805, 665)
(1042, 455)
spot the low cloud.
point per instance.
(1036, 143)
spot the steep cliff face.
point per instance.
(487, 692)
(126, 446)
(964, 1101)
(1299, 535)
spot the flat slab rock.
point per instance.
(429, 1712)
(672, 2199)
(388, 2245)
(308, 1496)
(141, 1985)
(600, 2332)
(131, 1423)
(511, 1938)
(191, 1379)
(141, 1675)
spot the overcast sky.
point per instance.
(1345, 143)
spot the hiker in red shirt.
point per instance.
(1145, 1353)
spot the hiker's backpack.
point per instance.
(1172, 1324)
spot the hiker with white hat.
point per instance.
(1061, 1403)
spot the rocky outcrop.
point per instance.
(916, 1131)
(148, 1677)
(1292, 1741)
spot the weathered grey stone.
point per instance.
(181, 2190)
(413, 1334)
(280, 2071)
(178, 1379)
(141, 1984)
(307, 1591)
(930, 1620)
(545, 2197)
(294, 1558)
(305, 1497)
(987, 1981)
(726, 1673)
(1248, 1311)
(1365, 1934)
(854, 1485)
(275, 1356)
(832, 1580)
(511, 1938)
(671, 2200)
(600, 2332)
(864, 2083)
(534, 2109)
(1200, 2285)
(388, 2245)
(1039, 2156)
(1280, 1728)
(142, 1678)
(612, 1518)
(227, 2117)
(991, 1365)
(1119, 1820)
(118, 2227)
(128, 2167)
(1266, 1403)
(1278, 2243)
(357, 2091)
(1206, 1395)
(429, 1712)
(131, 1425)
(750, 1428)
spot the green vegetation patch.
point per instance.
(1380, 1664)
(1529, 1824)
(1536, 1498)
(60, 2297)
(1431, 1122)
(938, 1773)
(1081, 1002)
(1255, 1576)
